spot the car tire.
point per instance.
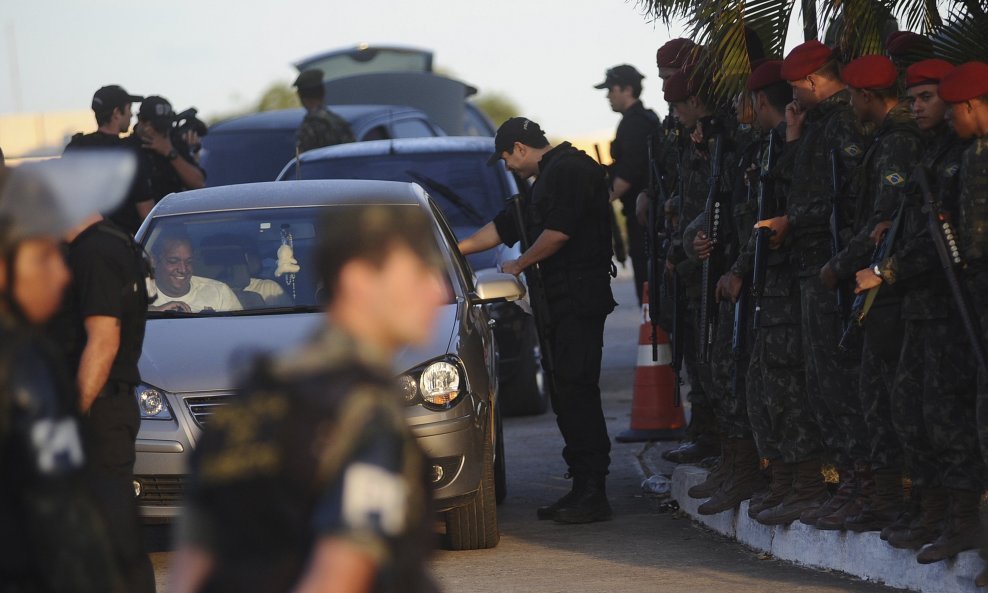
(527, 392)
(474, 526)
(500, 468)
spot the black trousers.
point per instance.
(110, 433)
(578, 343)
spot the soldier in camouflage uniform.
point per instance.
(870, 493)
(316, 450)
(935, 370)
(953, 434)
(818, 122)
(321, 127)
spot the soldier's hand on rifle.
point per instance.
(879, 231)
(828, 276)
(779, 227)
(729, 287)
(795, 116)
(866, 279)
(702, 246)
(697, 134)
(512, 267)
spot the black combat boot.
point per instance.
(549, 512)
(914, 507)
(962, 530)
(925, 527)
(882, 505)
(845, 491)
(780, 485)
(808, 492)
(718, 475)
(589, 506)
(744, 479)
(694, 452)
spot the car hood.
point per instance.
(208, 353)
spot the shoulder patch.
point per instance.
(893, 178)
(852, 150)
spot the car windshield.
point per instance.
(257, 261)
(469, 192)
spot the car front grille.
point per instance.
(161, 491)
(202, 406)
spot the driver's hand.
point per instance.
(172, 306)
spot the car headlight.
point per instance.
(437, 384)
(152, 403)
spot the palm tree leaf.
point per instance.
(858, 27)
(962, 38)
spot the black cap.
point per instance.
(308, 79)
(623, 75)
(113, 97)
(516, 129)
(158, 111)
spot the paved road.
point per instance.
(643, 550)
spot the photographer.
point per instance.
(171, 165)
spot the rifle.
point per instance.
(656, 199)
(945, 241)
(863, 302)
(620, 251)
(712, 222)
(762, 234)
(842, 305)
(536, 295)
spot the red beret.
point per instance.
(905, 43)
(964, 83)
(927, 72)
(675, 53)
(680, 86)
(767, 73)
(871, 72)
(805, 59)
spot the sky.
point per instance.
(219, 55)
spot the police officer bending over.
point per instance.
(567, 222)
(312, 480)
(52, 537)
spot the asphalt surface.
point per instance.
(646, 548)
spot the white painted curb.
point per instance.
(863, 555)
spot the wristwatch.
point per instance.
(877, 270)
(172, 155)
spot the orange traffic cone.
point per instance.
(654, 413)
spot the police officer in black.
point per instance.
(52, 535)
(112, 107)
(101, 331)
(567, 224)
(169, 161)
(629, 153)
(312, 480)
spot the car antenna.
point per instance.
(391, 136)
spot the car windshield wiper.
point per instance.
(450, 195)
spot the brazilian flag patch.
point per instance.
(893, 178)
(852, 150)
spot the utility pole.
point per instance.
(809, 20)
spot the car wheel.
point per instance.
(474, 526)
(500, 469)
(527, 392)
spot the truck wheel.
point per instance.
(474, 526)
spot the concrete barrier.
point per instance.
(863, 555)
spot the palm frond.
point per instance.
(858, 27)
(962, 38)
(919, 15)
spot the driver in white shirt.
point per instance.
(179, 289)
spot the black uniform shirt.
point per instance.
(570, 196)
(630, 150)
(107, 280)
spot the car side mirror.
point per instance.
(493, 287)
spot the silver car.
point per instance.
(255, 241)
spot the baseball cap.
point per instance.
(623, 75)
(112, 97)
(308, 79)
(516, 129)
(156, 110)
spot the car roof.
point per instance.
(284, 119)
(439, 144)
(291, 194)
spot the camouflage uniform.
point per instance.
(322, 128)
(782, 423)
(887, 165)
(830, 374)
